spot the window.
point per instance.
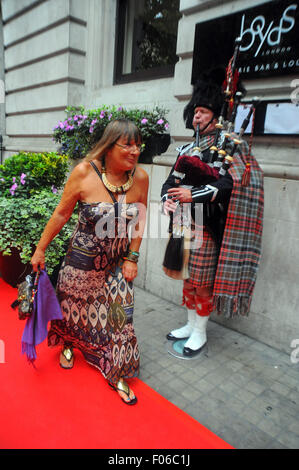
(146, 33)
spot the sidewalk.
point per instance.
(244, 391)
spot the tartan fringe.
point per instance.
(232, 306)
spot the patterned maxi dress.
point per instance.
(96, 301)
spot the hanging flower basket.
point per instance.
(154, 145)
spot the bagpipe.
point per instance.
(225, 142)
(225, 145)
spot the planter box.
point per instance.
(12, 270)
(154, 145)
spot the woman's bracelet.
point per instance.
(127, 258)
(132, 256)
(136, 253)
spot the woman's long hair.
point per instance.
(114, 130)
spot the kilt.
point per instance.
(203, 259)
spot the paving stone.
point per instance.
(289, 439)
(214, 423)
(180, 402)
(292, 371)
(271, 396)
(269, 426)
(290, 381)
(156, 384)
(229, 387)
(272, 373)
(244, 391)
(280, 388)
(235, 405)
(177, 368)
(277, 413)
(219, 394)
(245, 396)
(153, 367)
(294, 427)
(188, 376)
(204, 386)
(198, 413)
(241, 377)
(178, 385)
(275, 445)
(256, 439)
(209, 403)
(252, 415)
(219, 375)
(256, 387)
(191, 394)
(166, 361)
(164, 376)
(233, 365)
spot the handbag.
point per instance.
(174, 253)
(26, 293)
(175, 263)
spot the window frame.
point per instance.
(165, 71)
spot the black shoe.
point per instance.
(188, 352)
(170, 337)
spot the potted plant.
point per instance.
(83, 128)
(29, 185)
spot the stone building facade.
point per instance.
(56, 53)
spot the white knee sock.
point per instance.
(186, 330)
(199, 334)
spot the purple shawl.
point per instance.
(45, 308)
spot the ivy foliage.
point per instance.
(29, 194)
(22, 221)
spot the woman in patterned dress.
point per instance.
(94, 285)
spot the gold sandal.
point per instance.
(67, 358)
(122, 386)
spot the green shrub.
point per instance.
(22, 222)
(22, 174)
(82, 128)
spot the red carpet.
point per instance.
(52, 408)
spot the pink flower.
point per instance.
(102, 115)
(22, 178)
(54, 190)
(109, 117)
(160, 121)
(91, 130)
(120, 108)
(13, 188)
(144, 121)
(75, 118)
(166, 126)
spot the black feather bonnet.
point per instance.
(208, 93)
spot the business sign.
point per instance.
(269, 40)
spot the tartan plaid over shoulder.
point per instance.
(241, 245)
